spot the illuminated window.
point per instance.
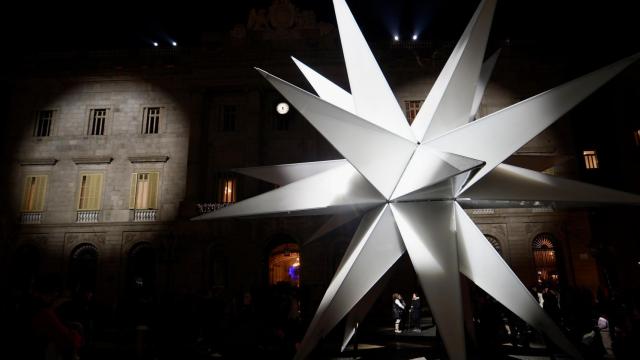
(590, 159)
(544, 258)
(44, 120)
(151, 123)
(144, 190)
(636, 136)
(284, 264)
(411, 108)
(226, 189)
(228, 118)
(34, 193)
(97, 121)
(90, 192)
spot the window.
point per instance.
(590, 159)
(97, 121)
(90, 192)
(151, 123)
(228, 118)
(34, 193)
(226, 189)
(44, 120)
(144, 190)
(411, 108)
(636, 136)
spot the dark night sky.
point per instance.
(584, 25)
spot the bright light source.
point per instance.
(155, 44)
(174, 43)
(396, 38)
(415, 37)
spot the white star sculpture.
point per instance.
(411, 179)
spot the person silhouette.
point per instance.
(398, 307)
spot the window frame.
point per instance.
(133, 190)
(37, 122)
(39, 198)
(145, 115)
(99, 196)
(90, 118)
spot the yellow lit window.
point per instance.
(34, 193)
(144, 190)
(411, 108)
(590, 159)
(227, 190)
(90, 192)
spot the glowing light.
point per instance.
(414, 37)
(155, 44)
(396, 38)
(174, 43)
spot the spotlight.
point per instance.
(155, 44)
(174, 43)
(414, 37)
(396, 38)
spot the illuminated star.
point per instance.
(411, 180)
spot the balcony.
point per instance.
(88, 216)
(144, 215)
(31, 218)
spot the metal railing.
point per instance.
(31, 218)
(144, 214)
(209, 207)
(88, 216)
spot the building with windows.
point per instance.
(111, 159)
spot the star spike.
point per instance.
(480, 262)
(374, 249)
(449, 101)
(512, 183)
(372, 97)
(379, 155)
(428, 232)
(327, 90)
(340, 187)
(522, 121)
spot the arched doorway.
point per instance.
(26, 264)
(284, 264)
(545, 259)
(141, 272)
(83, 269)
(495, 243)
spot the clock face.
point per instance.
(282, 108)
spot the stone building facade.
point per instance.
(215, 114)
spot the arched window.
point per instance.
(83, 269)
(284, 264)
(495, 243)
(141, 271)
(545, 259)
(26, 263)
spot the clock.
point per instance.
(282, 108)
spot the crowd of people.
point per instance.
(49, 323)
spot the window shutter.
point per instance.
(97, 193)
(41, 188)
(132, 191)
(153, 190)
(27, 191)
